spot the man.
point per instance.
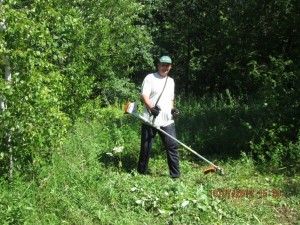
(158, 97)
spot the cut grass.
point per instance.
(80, 192)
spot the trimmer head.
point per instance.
(210, 169)
(214, 169)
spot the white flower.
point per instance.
(118, 149)
(133, 189)
(110, 154)
(161, 211)
(184, 204)
(138, 202)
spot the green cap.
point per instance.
(165, 59)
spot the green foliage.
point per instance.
(279, 120)
(245, 48)
(61, 55)
(224, 125)
(70, 58)
(213, 42)
(215, 124)
(33, 120)
(118, 46)
(118, 90)
(85, 185)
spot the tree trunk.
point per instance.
(7, 77)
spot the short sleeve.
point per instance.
(146, 87)
(173, 90)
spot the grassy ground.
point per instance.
(92, 180)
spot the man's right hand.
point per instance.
(155, 111)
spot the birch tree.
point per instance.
(7, 78)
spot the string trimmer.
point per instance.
(132, 109)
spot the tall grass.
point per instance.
(224, 125)
(215, 124)
(92, 180)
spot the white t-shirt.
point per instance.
(152, 87)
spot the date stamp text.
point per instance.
(244, 193)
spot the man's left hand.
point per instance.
(175, 112)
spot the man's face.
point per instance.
(164, 69)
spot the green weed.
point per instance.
(93, 180)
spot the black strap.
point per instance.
(161, 92)
(159, 95)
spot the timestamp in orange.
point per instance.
(245, 193)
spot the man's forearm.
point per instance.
(147, 101)
(149, 104)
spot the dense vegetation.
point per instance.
(68, 68)
(92, 180)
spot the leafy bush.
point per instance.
(277, 126)
(226, 125)
(33, 121)
(60, 56)
(117, 90)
